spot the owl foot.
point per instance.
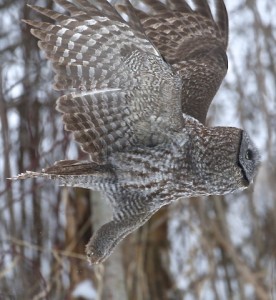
(94, 256)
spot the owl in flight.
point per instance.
(137, 93)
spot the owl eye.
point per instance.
(249, 154)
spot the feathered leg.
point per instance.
(110, 234)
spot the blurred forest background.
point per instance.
(200, 248)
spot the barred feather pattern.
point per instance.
(120, 83)
(194, 44)
(137, 95)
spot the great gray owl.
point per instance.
(138, 93)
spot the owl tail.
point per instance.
(76, 167)
(74, 173)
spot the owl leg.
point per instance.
(110, 234)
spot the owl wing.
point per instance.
(194, 44)
(118, 82)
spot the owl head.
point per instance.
(248, 159)
(227, 159)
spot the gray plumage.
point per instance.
(138, 95)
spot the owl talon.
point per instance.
(92, 256)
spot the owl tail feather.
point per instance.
(76, 167)
(85, 174)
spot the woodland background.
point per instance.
(200, 248)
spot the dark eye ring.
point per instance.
(249, 154)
